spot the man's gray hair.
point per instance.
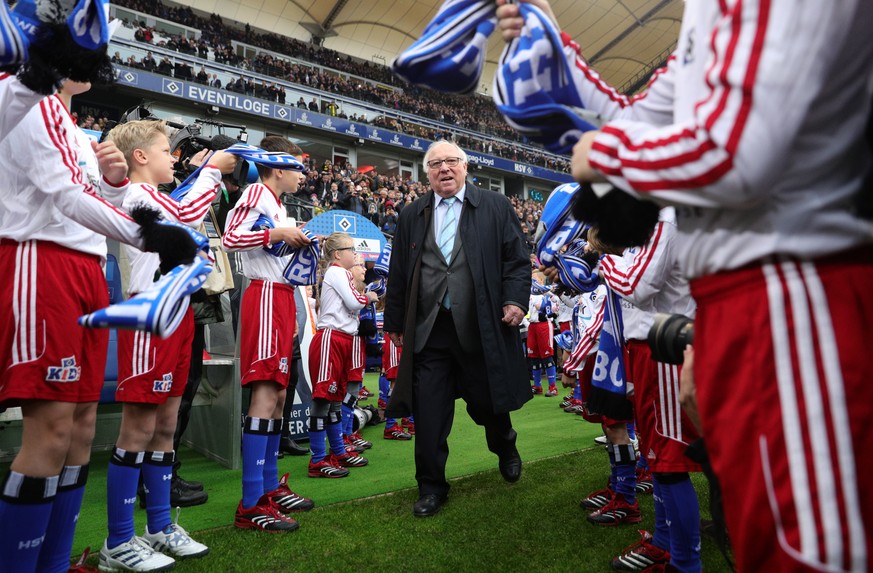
(461, 153)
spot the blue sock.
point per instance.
(25, 510)
(54, 557)
(577, 391)
(347, 420)
(122, 479)
(254, 450)
(411, 419)
(157, 475)
(631, 431)
(642, 464)
(348, 409)
(661, 537)
(537, 377)
(271, 461)
(623, 462)
(390, 422)
(317, 438)
(384, 387)
(683, 513)
(334, 431)
(551, 375)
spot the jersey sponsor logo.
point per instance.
(332, 388)
(283, 365)
(68, 371)
(164, 384)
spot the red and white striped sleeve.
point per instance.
(654, 105)
(238, 234)
(766, 61)
(343, 283)
(192, 209)
(55, 171)
(15, 101)
(586, 344)
(638, 274)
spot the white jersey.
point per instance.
(48, 185)
(648, 280)
(587, 326)
(15, 101)
(565, 308)
(755, 127)
(340, 301)
(189, 211)
(536, 306)
(257, 263)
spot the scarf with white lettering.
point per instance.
(384, 261)
(88, 24)
(160, 308)
(533, 86)
(13, 44)
(609, 378)
(378, 286)
(536, 287)
(302, 267)
(245, 152)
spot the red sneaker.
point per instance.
(288, 501)
(326, 469)
(536, 389)
(80, 567)
(351, 446)
(359, 441)
(553, 391)
(616, 512)
(408, 426)
(265, 516)
(382, 404)
(641, 555)
(597, 499)
(644, 484)
(395, 432)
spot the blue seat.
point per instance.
(116, 295)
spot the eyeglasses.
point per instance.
(352, 249)
(449, 161)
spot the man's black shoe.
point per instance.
(428, 505)
(181, 497)
(292, 448)
(510, 466)
(188, 484)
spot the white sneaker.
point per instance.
(600, 440)
(134, 555)
(175, 541)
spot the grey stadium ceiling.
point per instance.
(624, 40)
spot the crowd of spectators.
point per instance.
(475, 113)
(380, 198)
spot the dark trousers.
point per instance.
(443, 372)
(195, 374)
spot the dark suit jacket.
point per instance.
(500, 267)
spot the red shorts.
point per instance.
(268, 321)
(44, 353)
(390, 358)
(540, 340)
(782, 367)
(564, 326)
(359, 359)
(664, 429)
(585, 389)
(152, 369)
(330, 359)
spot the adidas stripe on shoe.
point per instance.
(350, 460)
(265, 516)
(286, 500)
(640, 555)
(326, 469)
(616, 512)
(133, 555)
(597, 499)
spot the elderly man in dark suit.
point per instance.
(458, 288)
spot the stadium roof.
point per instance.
(624, 40)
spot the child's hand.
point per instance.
(111, 160)
(224, 161)
(291, 235)
(373, 296)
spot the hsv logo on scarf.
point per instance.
(246, 152)
(533, 87)
(158, 310)
(302, 267)
(609, 378)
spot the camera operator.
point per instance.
(648, 281)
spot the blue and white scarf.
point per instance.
(564, 341)
(533, 86)
(378, 286)
(88, 24)
(13, 44)
(609, 379)
(159, 309)
(383, 263)
(536, 287)
(450, 54)
(245, 152)
(302, 268)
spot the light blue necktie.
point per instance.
(447, 238)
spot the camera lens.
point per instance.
(669, 336)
